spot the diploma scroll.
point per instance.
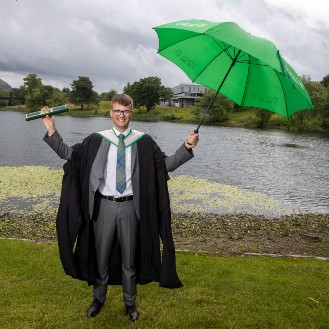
(46, 111)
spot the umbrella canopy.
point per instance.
(247, 69)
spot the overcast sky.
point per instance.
(112, 42)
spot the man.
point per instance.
(114, 206)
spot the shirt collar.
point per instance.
(126, 133)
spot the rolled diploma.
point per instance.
(47, 111)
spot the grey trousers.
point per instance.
(116, 220)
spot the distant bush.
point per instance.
(3, 103)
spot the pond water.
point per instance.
(291, 167)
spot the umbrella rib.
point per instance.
(223, 51)
(240, 59)
(193, 36)
(283, 91)
(225, 48)
(245, 86)
(249, 61)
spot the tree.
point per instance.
(166, 93)
(32, 86)
(107, 96)
(325, 81)
(219, 109)
(31, 83)
(127, 89)
(263, 117)
(326, 110)
(4, 98)
(147, 92)
(38, 95)
(66, 91)
(82, 92)
(57, 97)
(319, 97)
(17, 96)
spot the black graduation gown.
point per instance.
(75, 229)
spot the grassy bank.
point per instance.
(218, 292)
(235, 234)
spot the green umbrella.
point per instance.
(247, 69)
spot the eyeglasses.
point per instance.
(118, 112)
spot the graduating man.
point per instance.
(115, 207)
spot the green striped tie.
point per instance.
(121, 165)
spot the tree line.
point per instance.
(149, 92)
(34, 94)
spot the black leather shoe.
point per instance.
(132, 312)
(94, 308)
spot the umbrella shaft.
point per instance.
(220, 86)
(207, 110)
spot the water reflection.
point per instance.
(288, 166)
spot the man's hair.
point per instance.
(123, 99)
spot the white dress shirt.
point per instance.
(108, 183)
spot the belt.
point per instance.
(119, 199)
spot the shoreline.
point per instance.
(156, 118)
(240, 234)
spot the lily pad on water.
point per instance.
(189, 194)
(29, 189)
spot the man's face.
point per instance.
(121, 116)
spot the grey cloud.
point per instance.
(113, 42)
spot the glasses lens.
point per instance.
(118, 112)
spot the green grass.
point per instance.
(218, 292)
(241, 116)
(89, 110)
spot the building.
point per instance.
(186, 94)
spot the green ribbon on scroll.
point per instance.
(46, 111)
